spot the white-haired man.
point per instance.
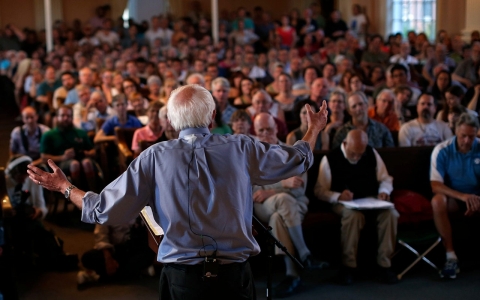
(201, 197)
(220, 89)
(196, 78)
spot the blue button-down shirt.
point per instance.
(199, 184)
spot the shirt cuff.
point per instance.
(89, 200)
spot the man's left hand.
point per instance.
(261, 195)
(384, 196)
(56, 181)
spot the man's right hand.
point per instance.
(317, 121)
(292, 182)
(346, 195)
(69, 154)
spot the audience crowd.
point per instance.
(405, 91)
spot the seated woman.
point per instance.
(357, 85)
(245, 95)
(297, 134)
(235, 81)
(152, 131)
(154, 84)
(285, 98)
(443, 81)
(384, 110)
(338, 114)
(453, 96)
(273, 88)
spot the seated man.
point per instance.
(454, 176)
(424, 130)
(25, 139)
(122, 119)
(71, 148)
(354, 171)
(29, 206)
(377, 133)
(283, 205)
(97, 108)
(263, 103)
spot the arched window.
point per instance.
(416, 15)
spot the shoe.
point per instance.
(310, 263)
(84, 277)
(388, 276)
(287, 287)
(345, 277)
(450, 270)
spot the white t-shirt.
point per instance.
(414, 133)
(356, 24)
(111, 38)
(165, 35)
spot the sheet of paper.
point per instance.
(367, 203)
(147, 215)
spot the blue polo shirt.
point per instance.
(459, 171)
(109, 125)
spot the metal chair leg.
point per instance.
(419, 256)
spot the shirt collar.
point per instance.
(189, 131)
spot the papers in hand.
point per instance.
(153, 227)
(367, 203)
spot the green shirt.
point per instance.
(56, 141)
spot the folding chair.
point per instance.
(419, 236)
(416, 227)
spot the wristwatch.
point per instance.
(68, 191)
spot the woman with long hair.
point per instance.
(245, 95)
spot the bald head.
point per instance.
(355, 145)
(265, 128)
(30, 117)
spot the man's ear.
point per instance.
(213, 119)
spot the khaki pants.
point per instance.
(282, 211)
(352, 223)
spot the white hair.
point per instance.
(386, 91)
(198, 76)
(264, 93)
(221, 81)
(190, 106)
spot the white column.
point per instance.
(215, 21)
(48, 24)
(472, 21)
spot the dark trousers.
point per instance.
(185, 282)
